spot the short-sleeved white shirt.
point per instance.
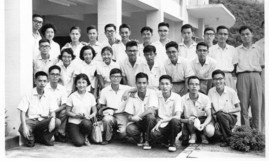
(97, 48)
(54, 50)
(205, 71)
(81, 104)
(260, 44)
(225, 101)
(135, 106)
(199, 108)
(161, 52)
(119, 52)
(36, 38)
(59, 94)
(89, 70)
(188, 53)
(104, 70)
(35, 107)
(43, 65)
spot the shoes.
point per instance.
(204, 139)
(192, 139)
(48, 143)
(104, 142)
(172, 148)
(224, 144)
(141, 142)
(146, 146)
(87, 142)
(60, 138)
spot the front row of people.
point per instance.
(140, 115)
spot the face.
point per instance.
(202, 52)
(107, 56)
(163, 32)
(115, 78)
(222, 35)
(92, 34)
(194, 86)
(75, 35)
(246, 36)
(110, 32)
(81, 85)
(172, 53)
(37, 23)
(150, 56)
(54, 75)
(44, 47)
(132, 53)
(125, 33)
(142, 84)
(87, 55)
(166, 85)
(41, 82)
(146, 36)
(209, 36)
(219, 81)
(187, 34)
(66, 58)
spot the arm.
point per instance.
(95, 88)
(25, 130)
(72, 114)
(94, 112)
(208, 118)
(63, 106)
(236, 109)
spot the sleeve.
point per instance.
(24, 104)
(102, 99)
(261, 56)
(129, 108)
(122, 69)
(93, 101)
(207, 103)
(153, 99)
(69, 101)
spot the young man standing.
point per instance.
(224, 104)
(209, 36)
(94, 43)
(146, 34)
(38, 120)
(110, 32)
(37, 24)
(169, 114)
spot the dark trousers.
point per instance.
(62, 116)
(168, 133)
(39, 131)
(227, 122)
(147, 123)
(77, 132)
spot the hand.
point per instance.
(202, 126)
(136, 118)
(125, 96)
(80, 116)
(156, 127)
(26, 132)
(52, 124)
(217, 126)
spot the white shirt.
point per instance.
(89, 70)
(59, 94)
(161, 52)
(119, 53)
(42, 64)
(97, 48)
(76, 51)
(54, 50)
(188, 53)
(104, 70)
(81, 104)
(36, 38)
(260, 44)
(205, 71)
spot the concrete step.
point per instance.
(12, 141)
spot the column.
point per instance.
(152, 20)
(201, 25)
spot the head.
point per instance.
(141, 80)
(115, 76)
(75, 33)
(37, 21)
(146, 34)
(246, 34)
(92, 33)
(150, 53)
(44, 46)
(67, 56)
(41, 80)
(166, 85)
(132, 50)
(209, 35)
(218, 77)
(163, 30)
(202, 51)
(222, 34)
(48, 31)
(110, 31)
(125, 32)
(172, 51)
(81, 82)
(54, 73)
(107, 54)
(87, 53)
(187, 32)
(193, 84)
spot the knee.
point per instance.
(107, 119)
(150, 117)
(86, 123)
(209, 130)
(174, 122)
(155, 134)
(131, 130)
(78, 143)
(57, 122)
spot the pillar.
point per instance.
(153, 19)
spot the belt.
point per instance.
(249, 72)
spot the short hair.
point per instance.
(43, 40)
(171, 44)
(75, 28)
(81, 76)
(86, 48)
(222, 27)
(163, 24)
(215, 72)
(187, 26)
(166, 77)
(115, 71)
(192, 77)
(107, 48)
(91, 27)
(141, 75)
(69, 51)
(202, 44)
(110, 25)
(146, 28)
(124, 26)
(54, 67)
(37, 15)
(242, 28)
(149, 48)
(40, 73)
(209, 29)
(47, 26)
(131, 44)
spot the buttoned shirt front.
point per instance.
(205, 71)
(104, 70)
(119, 52)
(59, 93)
(97, 48)
(89, 70)
(161, 52)
(42, 64)
(188, 53)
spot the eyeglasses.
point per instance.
(110, 31)
(45, 46)
(36, 21)
(54, 74)
(116, 76)
(217, 79)
(162, 30)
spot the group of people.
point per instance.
(145, 93)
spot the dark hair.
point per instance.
(146, 28)
(110, 25)
(215, 72)
(75, 28)
(149, 48)
(86, 48)
(47, 26)
(69, 51)
(115, 70)
(202, 44)
(37, 15)
(262, 24)
(141, 75)
(163, 24)
(131, 44)
(166, 77)
(242, 28)
(186, 26)
(222, 27)
(108, 48)
(124, 26)
(40, 73)
(91, 27)
(81, 76)
(209, 29)
(54, 67)
(192, 77)
(43, 40)
(171, 44)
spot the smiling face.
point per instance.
(115, 78)
(125, 34)
(37, 23)
(163, 32)
(219, 81)
(87, 55)
(166, 86)
(66, 58)
(141, 84)
(75, 35)
(81, 85)
(107, 57)
(146, 36)
(172, 53)
(49, 34)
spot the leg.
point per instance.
(108, 123)
(147, 124)
(30, 125)
(75, 135)
(85, 127)
(133, 132)
(174, 127)
(122, 120)
(62, 116)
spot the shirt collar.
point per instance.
(147, 94)
(206, 60)
(193, 44)
(34, 92)
(171, 98)
(198, 100)
(252, 46)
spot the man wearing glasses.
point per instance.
(37, 24)
(209, 36)
(110, 32)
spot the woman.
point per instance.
(80, 109)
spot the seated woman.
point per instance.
(80, 109)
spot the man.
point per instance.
(38, 121)
(141, 110)
(59, 94)
(203, 66)
(112, 107)
(197, 112)
(131, 65)
(178, 68)
(37, 24)
(225, 55)
(249, 83)
(152, 68)
(188, 46)
(110, 32)
(169, 112)
(93, 42)
(224, 104)
(119, 48)
(146, 34)
(209, 36)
